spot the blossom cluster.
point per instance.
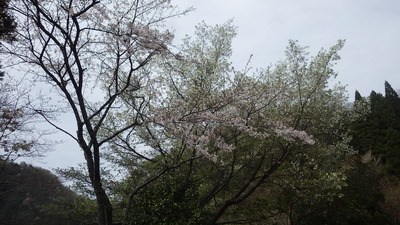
(207, 123)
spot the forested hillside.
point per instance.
(28, 195)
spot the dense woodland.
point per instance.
(177, 135)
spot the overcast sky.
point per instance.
(371, 29)
(370, 56)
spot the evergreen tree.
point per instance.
(393, 102)
(389, 91)
(358, 96)
(379, 131)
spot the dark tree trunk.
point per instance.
(104, 206)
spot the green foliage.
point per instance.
(360, 200)
(311, 175)
(170, 200)
(77, 210)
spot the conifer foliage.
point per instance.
(379, 131)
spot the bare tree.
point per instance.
(92, 53)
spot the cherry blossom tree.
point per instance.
(231, 132)
(89, 53)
